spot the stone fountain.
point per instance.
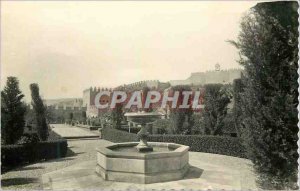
(143, 118)
(142, 162)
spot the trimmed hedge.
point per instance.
(206, 143)
(90, 127)
(199, 143)
(117, 136)
(16, 155)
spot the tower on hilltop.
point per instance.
(217, 67)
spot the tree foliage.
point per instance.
(182, 118)
(237, 105)
(268, 47)
(83, 116)
(12, 112)
(71, 116)
(117, 116)
(50, 114)
(164, 126)
(216, 100)
(40, 112)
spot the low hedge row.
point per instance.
(15, 155)
(117, 136)
(91, 128)
(199, 143)
(206, 143)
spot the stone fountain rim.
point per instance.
(179, 151)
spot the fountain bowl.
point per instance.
(123, 163)
(143, 117)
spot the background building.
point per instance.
(210, 77)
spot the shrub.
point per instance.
(53, 149)
(205, 143)
(198, 143)
(15, 155)
(29, 139)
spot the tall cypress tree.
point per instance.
(12, 112)
(268, 44)
(40, 112)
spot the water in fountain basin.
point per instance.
(134, 149)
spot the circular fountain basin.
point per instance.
(122, 162)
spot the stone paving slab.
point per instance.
(208, 171)
(72, 132)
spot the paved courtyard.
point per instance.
(77, 171)
(208, 171)
(29, 176)
(69, 131)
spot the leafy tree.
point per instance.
(163, 125)
(83, 115)
(182, 118)
(177, 119)
(237, 105)
(117, 116)
(198, 127)
(40, 112)
(268, 45)
(105, 119)
(60, 119)
(71, 115)
(12, 112)
(216, 100)
(229, 125)
(50, 115)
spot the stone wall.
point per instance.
(89, 100)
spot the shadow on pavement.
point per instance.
(18, 181)
(193, 173)
(71, 153)
(28, 168)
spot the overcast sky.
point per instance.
(69, 46)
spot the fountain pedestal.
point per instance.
(143, 136)
(143, 118)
